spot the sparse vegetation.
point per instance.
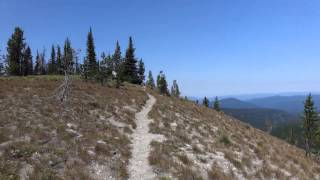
(88, 129)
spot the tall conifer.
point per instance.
(216, 104)
(15, 47)
(28, 64)
(116, 58)
(68, 56)
(59, 61)
(205, 102)
(52, 64)
(150, 82)
(91, 54)
(141, 71)
(162, 84)
(129, 69)
(310, 117)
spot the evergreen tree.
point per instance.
(205, 102)
(162, 84)
(150, 81)
(310, 116)
(37, 69)
(2, 69)
(40, 63)
(68, 57)
(43, 62)
(216, 104)
(59, 61)
(129, 69)
(2, 65)
(85, 69)
(116, 59)
(15, 47)
(52, 64)
(175, 92)
(141, 71)
(28, 64)
(110, 65)
(91, 55)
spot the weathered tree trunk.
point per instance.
(307, 147)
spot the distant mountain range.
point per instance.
(280, 115)
(267, 112)
(262, 118)
(234, 103)
(290, 104)
(264, 112)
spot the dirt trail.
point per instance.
(139, 168)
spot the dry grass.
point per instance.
(62, 141)
(210, 140)
(91, 132)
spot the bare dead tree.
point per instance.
(63, 92)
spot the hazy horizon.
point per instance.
(212, 48)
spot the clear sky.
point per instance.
(211, 47)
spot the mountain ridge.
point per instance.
(91, 136)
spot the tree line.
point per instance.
(115, 67)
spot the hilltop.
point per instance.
(233, 103)
(101, 132)
(290, 104)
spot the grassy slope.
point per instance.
(89, 136)
(39, 135)
(204, 144)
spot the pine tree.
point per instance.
(2, 65)
(310, 116)
(85, 69)
(141, 71)
(59, 61)
(68, 57)
(2, 69)
(43, 62)
(216, 104)
(15, 47)
(150, 81)
(40, 63)
(205, 102)
(110, 65)
(28, 64)
(104, 66)
(52, 64)
(162, 84)
(116, 58)
(129, 70)
(91, 55)
(175, 92)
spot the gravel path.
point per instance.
(139, 168)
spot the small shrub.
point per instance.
(216, 173)
(225, 140)
(184, 159)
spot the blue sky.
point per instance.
(211, 47)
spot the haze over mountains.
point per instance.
(269, 112)
(289, 102)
